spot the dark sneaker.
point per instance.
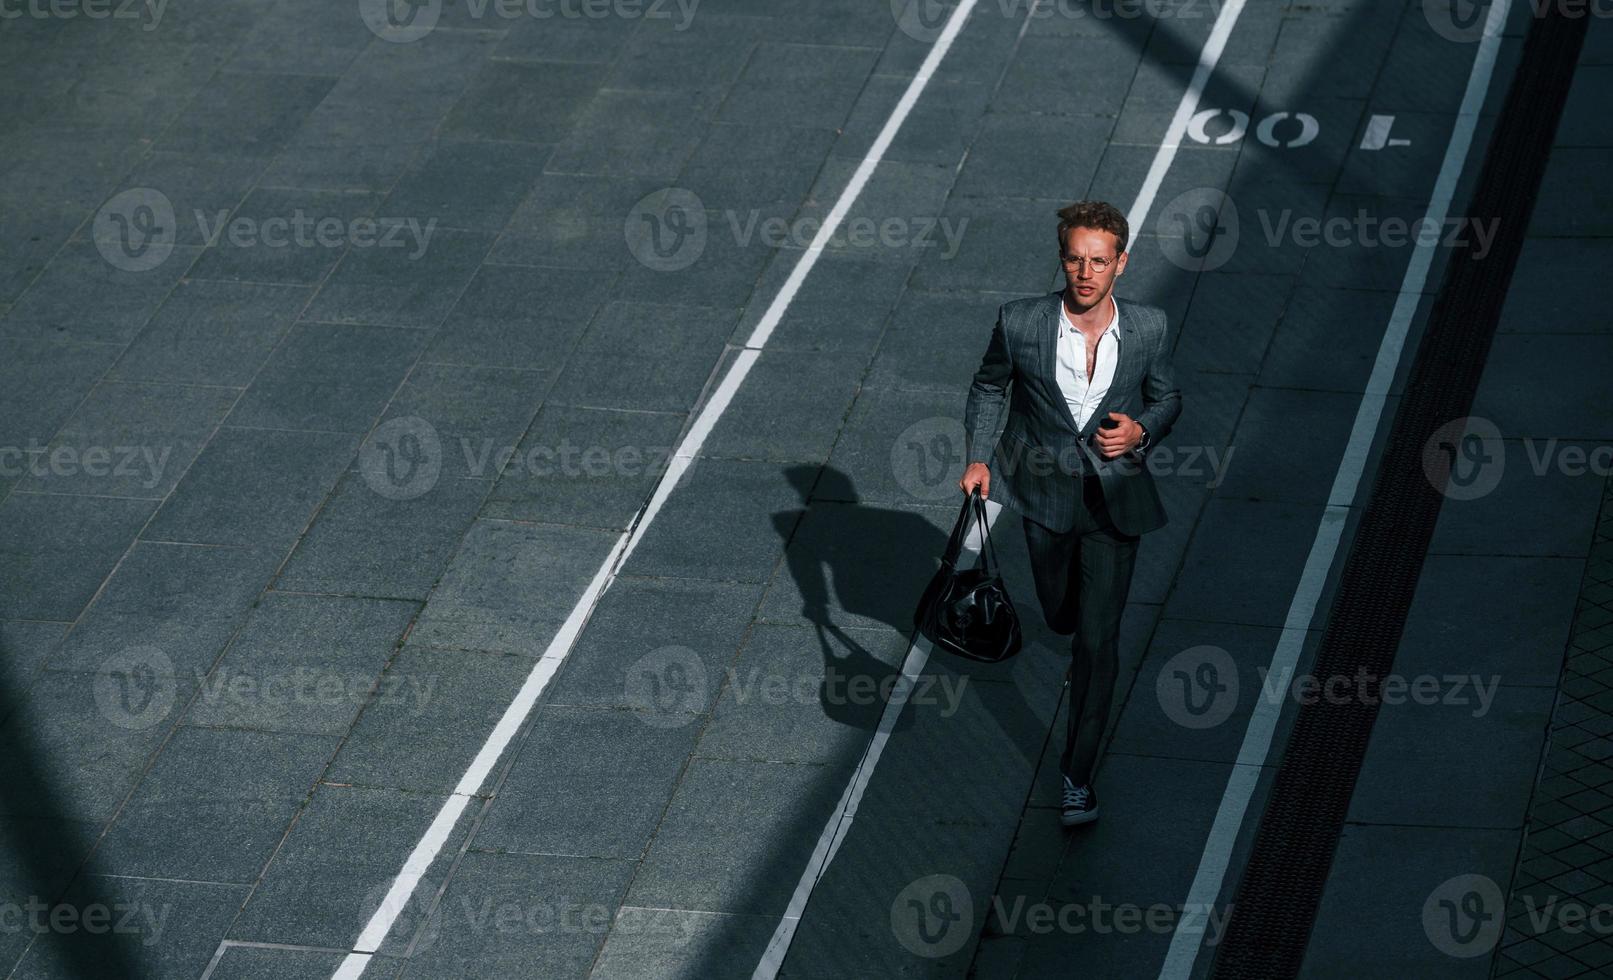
(1080, 804)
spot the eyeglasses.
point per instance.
(1099, 263)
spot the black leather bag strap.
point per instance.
(988, 553)
(959, 532)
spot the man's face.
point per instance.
(1091, 263)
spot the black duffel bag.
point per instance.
(968, 612)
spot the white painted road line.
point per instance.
(918, 655)
(426, 851)
(1209, 55)
(1257, 738)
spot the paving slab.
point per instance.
(851, 564)
(466, 186)
(720, 522)
(56, 549)
(431, 711)
(658, 646)
(366, 543)
(1521, 500)
(939, 130)
(247, 114)
(841, 311)
(254, 241)
(212, 333)
(252, 486)
(155, 928)
(795, 422)
(1402, 885)
(648, 943)
(302, 664)
(1220, 582)
(503, 590)
(522, 102)
(635, 132)
(243, 962)
(591, 467)
(194, 182)
(1420, 767)
(99, 731)
(43, 382)
(184, 600)
(407, 273)
(129, 440)
(728, 818)
(587, 782)
(518, 317)
(82, 295)
(763, 167)
(325, 882)
(805, 694)
(613, 367)
(519, 915)
(772, 81)
(1274, 415)
(1542, 413)
(930, 341)
(571, 221)
(215, 806)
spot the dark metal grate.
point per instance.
(1277, 898)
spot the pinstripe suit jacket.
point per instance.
(1038, 462)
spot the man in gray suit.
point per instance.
(1092, 391)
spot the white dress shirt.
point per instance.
(1084, 394)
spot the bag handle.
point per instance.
(949, 558)
(988, 551)
(972, 512)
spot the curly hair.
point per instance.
(1100, 215)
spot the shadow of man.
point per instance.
(870, 564)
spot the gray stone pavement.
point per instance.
(244, 670)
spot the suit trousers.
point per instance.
(1082, 578)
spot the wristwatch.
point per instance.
(1143, 443)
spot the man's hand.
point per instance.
(976, 474)
(1120, 439)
